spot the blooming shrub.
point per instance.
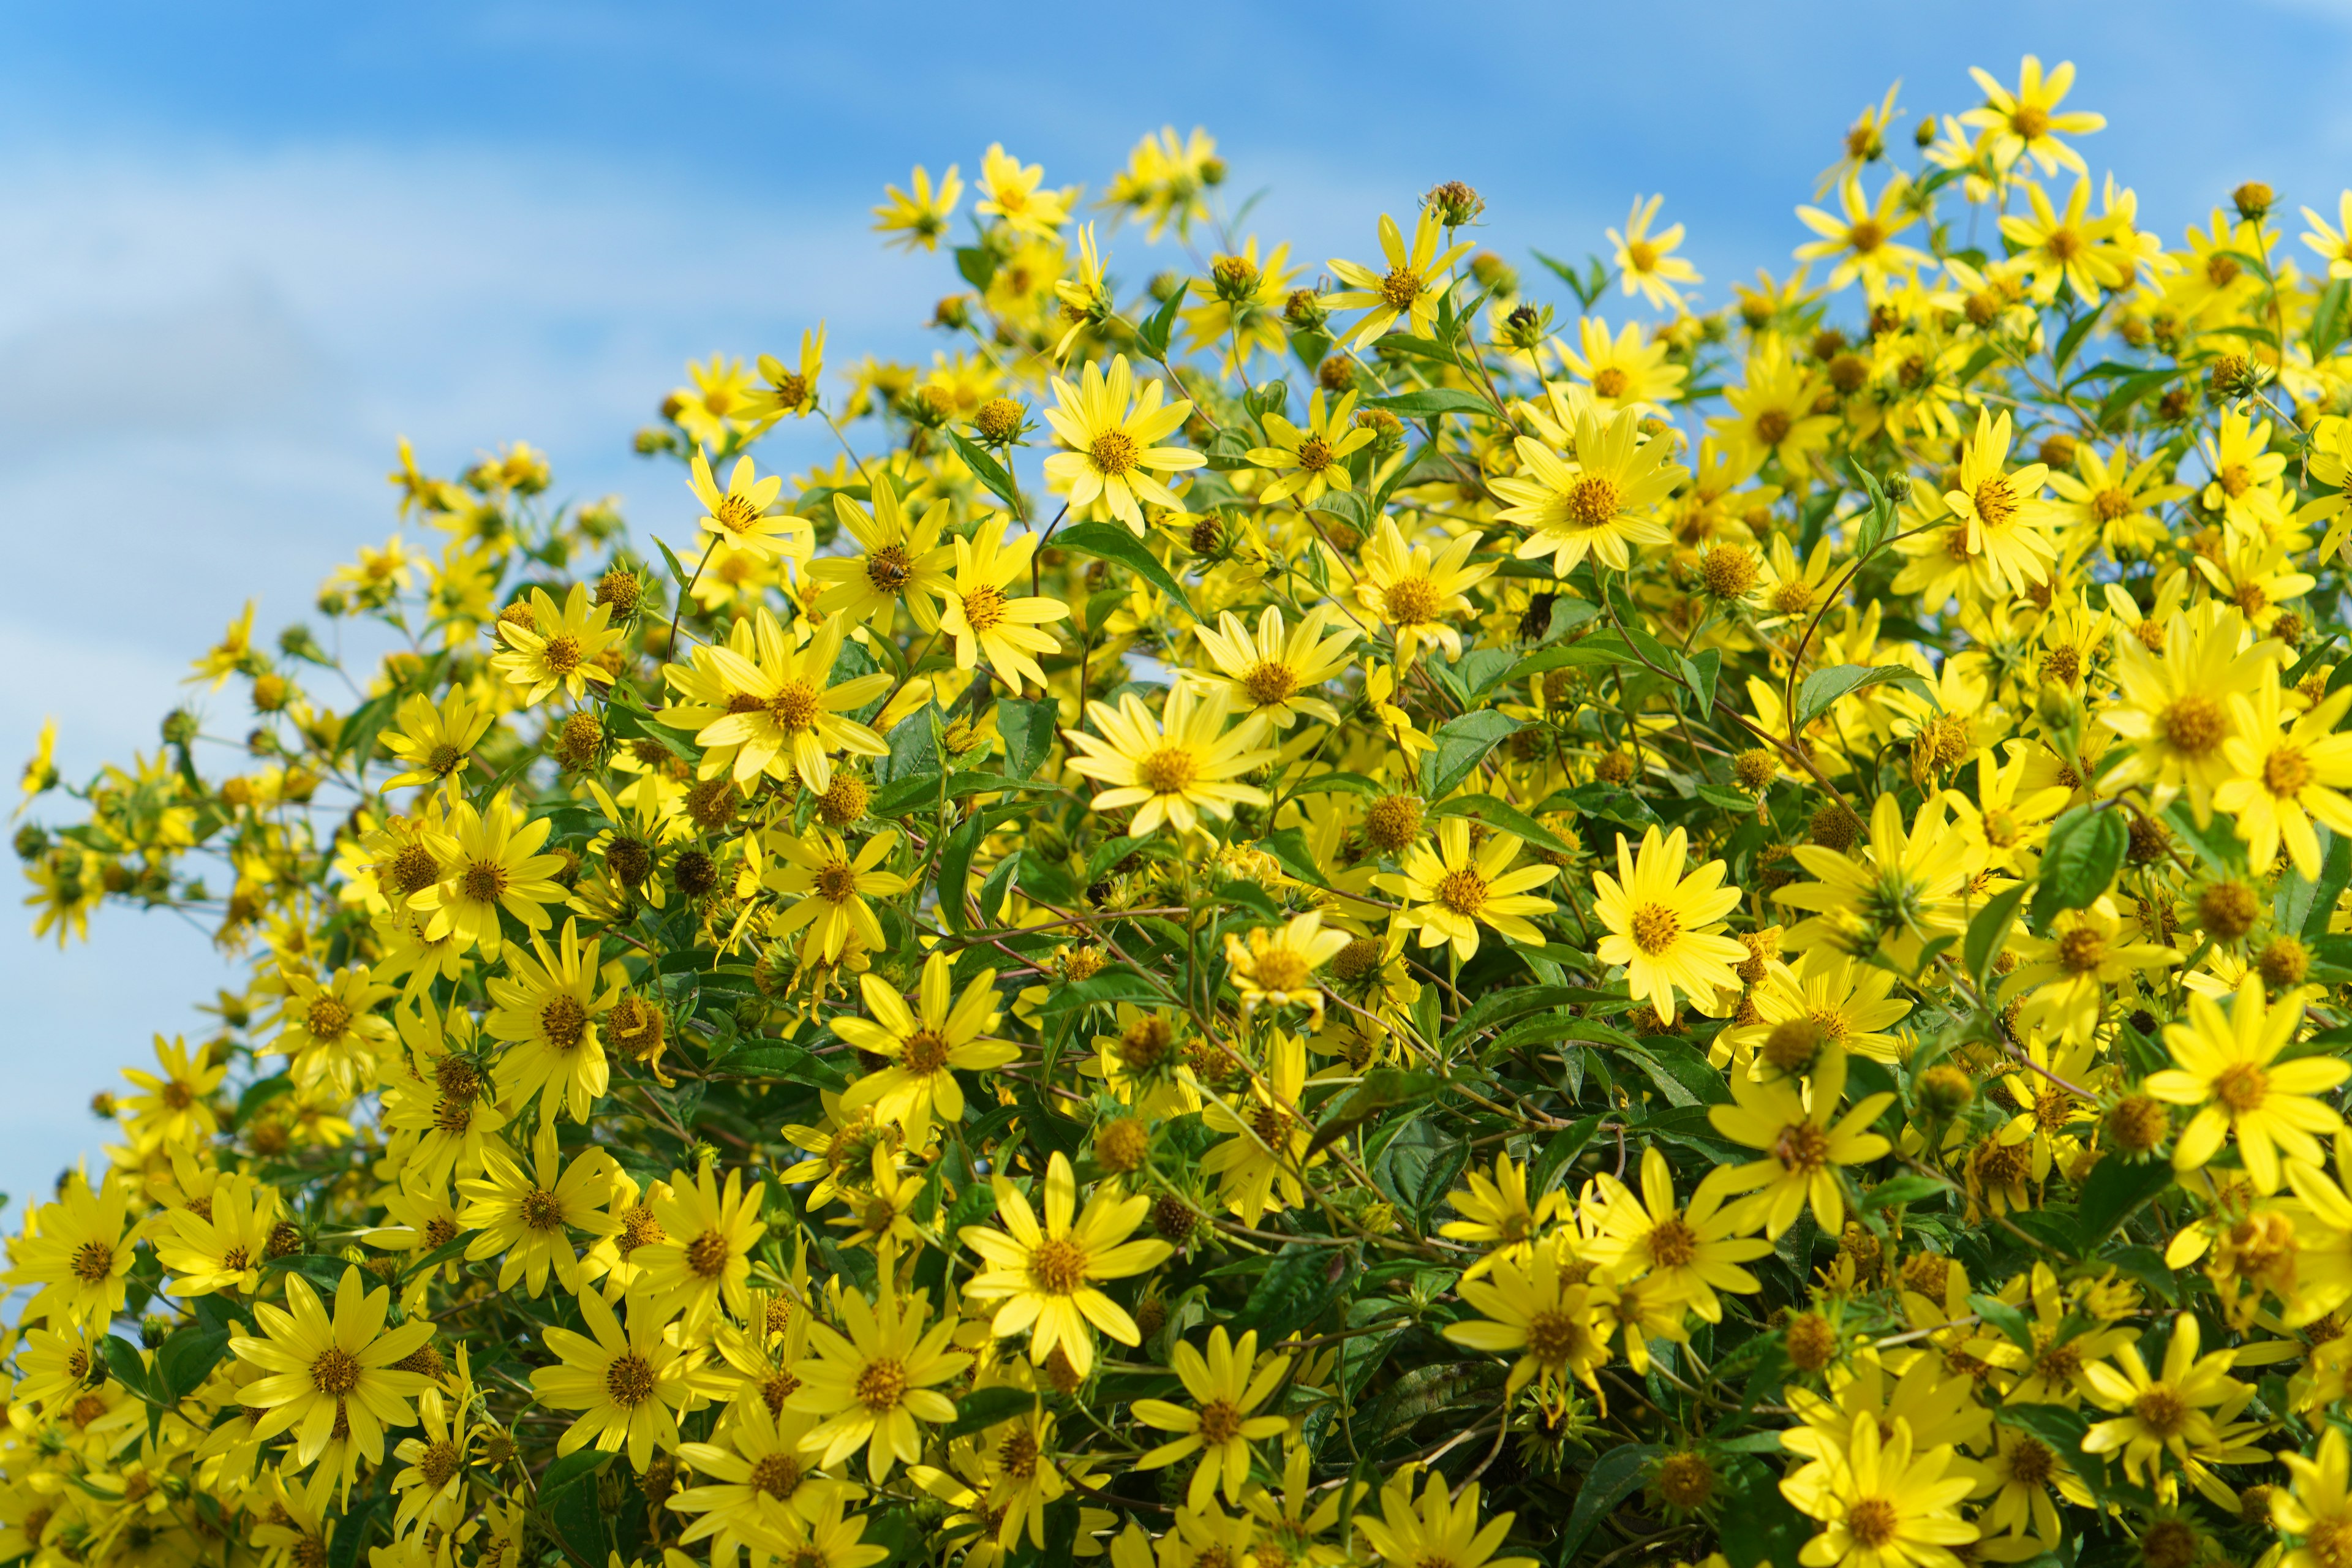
(1450, 936)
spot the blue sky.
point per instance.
(246, 245)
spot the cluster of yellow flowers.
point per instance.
(1289, 920)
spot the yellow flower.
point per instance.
(1902, 894)
(2066, 249)
(2025, 122)
(925, 1051)
(877, 1384)
(557, 647)
(436, 744)
(1533, 1307)
(2065, 980)
(174, 1106)
(1603, 502)
(1693, 1252)
(984, 620)
(1416, 590)
(1113, 433)
(1499, 1213)
(1449, 894)
(704, 1257)
(783, 390)
(899, 561)
(795, 721)
(1667, 928)
(1627, 372)
(1885, 1504)
(1411, 288)
(739, 516)
(629, 1387)
(527, 1214)
(1010, 191)
(914, 218)
(1646, 263)
(2175, 704)
(490, 861)
(1273, 675)
(548, 1011)
(324, 1372)
(77, 1252)
(1317, 455)
(1276, 967)
(224, 1246)
(755, 1485)
(1802, 1148)
(831, 889)
(1226, 1385)
(2282, 776)
(2172, 1412)
(2317, 1504)
(2228, 1066)
(2005, 521)
(1265, 1144)
(1862, 237)
(1175, 768)
(332, 1031)
(1044, 1274)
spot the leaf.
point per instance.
(1107, 989)
(1430, 403)
(914, 748)
(1288, 846)
(987, 471)
(1497, 1005)
(129, 1368)
(1461, 744)
(1028, 728)
(571, 1467)
(1154, 333)
(186, 1358)
(1497, 812)
(1383, 1090)
(2072, 339)
(2113, 1192)
(1296, 1289)
(578, 1521)
(2311, 905)
(975, 266)
(986, 1407)
(1699, 674)
(1822, 689)
(955, 866)
(1988, 931)
(351, 1532)
(1614, 1476)
(2216, 842)
(1906, 1188)
(1111, 541)
(2008, 1320)
(2086, 849)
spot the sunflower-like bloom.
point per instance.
(1693, 1252)
(985, 621)
(2178, 1410)
(557, 647)
(1803, 1147)
(793, 718)
(2317, 1504)
(1045, 1273)
(1667, 928)
(2065, 980)
(629, 1385)
(490, 861)
(1276, 967)
(1883, 1503)
(548, 1010)
(2285, 777)
(1449, 893)
(704, 1257)
(1417, 591)
(784, 389)
(2007, 524)
(1275, 674)
(1646, 262)
(1409, 290)
(332, 1031)
(322, 1373)
(1499, 1215)
(80, 1252)
(1259, 1163)
(1316, 456)
(925, 1049)
(1173, 769)
(436, 743)
(900, 560)
(1113, 432)
(526, 1213)
(2174, 706)
(1860, 237)
(1601, 503)
(2025, 121)
(1534, 1306)
(739, 516)
(915, 218)
(1902, 894)
(1226, 1385)
(831, 888)
(2227, 1066)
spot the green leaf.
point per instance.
(1822, 689)
(1461, 744)
(1154, 333)
(987, 471)
(1700, 675)
(1430, 403)
(2008, 1320)
(1104, 990)
(975, 266)
(571, 1467)
(1383, 1090)
(1028, 728)
(1497, 812)
(914, 748)
(1601, 648)
(2311, 905)
(1296, 1288)
(2215, 841)
(1988, 931)
(1614, 1476)
(352, 1530)
(129, 1368)
(2086, 849)
(1112, 541)
(186, 1358)
(1906, 1188)
(2113, 1192)
(955, 865)
(986, 1407)
(1288, 846)
(2072, 339)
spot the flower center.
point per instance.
(1268, 683)
(888, 568)
(439, 1463)
(2240, 1087)
(414, 869)
(707, 1254)
(2081, 950)
(93, 1262)
(1996, 503)
(1169, 770)
(485, 882)
(1220, 1423)
(836, 882)
(561, 654)
(1592, 500)
(1315, 454)
(563, 1020)
(1873, 1522)
(2163, 1412)
(629, 1380)
(983, 608)
(336, 1373)
(1772, 426)
(1409, 601)
(1113, 452)
(2194, 724)
(1610, 381)
(1280, 969)
(1865, 237)
(1401, 288)
(794, 706)
(327, 1020)
(1673, 1244)
(541, 1209)
(2285, 771)
(1655, 928)
(1801, 1146)
(1463, 890)
(2236, 478)
(1018, 1453)
(1058, 1266)
(882, 1384)
(775, 1475)
(925, 1052)
(2062, 244)
(1551, 1336)
(736, 513)
(2030, 121)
